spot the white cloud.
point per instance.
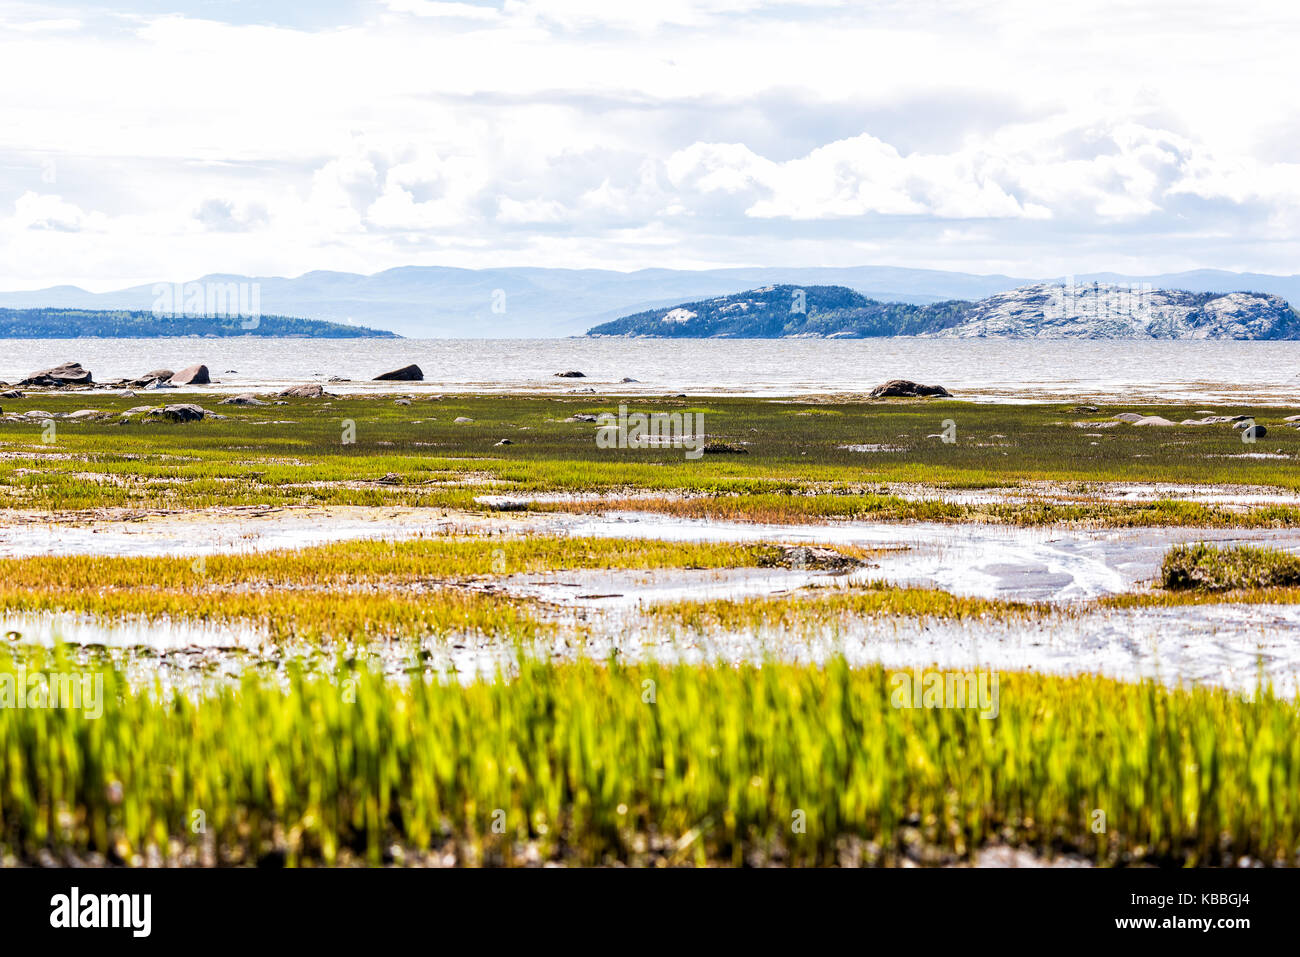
(1017, 137)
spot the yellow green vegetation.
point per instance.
(592, 764)
(349, 590)
(816, 606)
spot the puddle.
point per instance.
(990, 561)
(210, 534)
(619, 588)
(47, 629)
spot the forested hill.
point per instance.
(124, 324)
(775, 312)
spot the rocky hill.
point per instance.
(786, 311)
(1043, 310)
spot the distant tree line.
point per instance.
(131, 324)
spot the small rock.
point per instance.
(1128, 417)
(409, 373)
(813, 557)
(85, 414)
(309, 391)
(506, 442)
(462, 419)
(1152, 420)
(570, 375)
(401, 402)
(907, 389)
(628, 379)
(581, 417)
(392, 478)
(157, 375)
(724, 448)
(246, 398)
(177, 413)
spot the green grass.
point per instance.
(796, 467)
(592, 764)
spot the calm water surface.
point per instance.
(990, 370)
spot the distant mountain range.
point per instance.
(434, 301)
(1040, 310)
(120, 324)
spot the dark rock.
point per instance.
(193, 375)
(391, 478)
(11, 394)
(337, 378)
(157, 375)
(506, 442)
(907, 389)
(309, 391)
(69, 373)
(724, 448)
(581, 417)
(176, 413)
(570, 375)
(409, 373)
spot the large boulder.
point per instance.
(246, 398)
(193, 375)
(69, 373)
(309, 391)
(906, 389)
(409, 373)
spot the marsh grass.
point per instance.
(351, 590)
(796, 468)
(581, 765)
(1217, 568)
(816, 606)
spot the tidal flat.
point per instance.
(631, 656)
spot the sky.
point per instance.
(151, 140)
